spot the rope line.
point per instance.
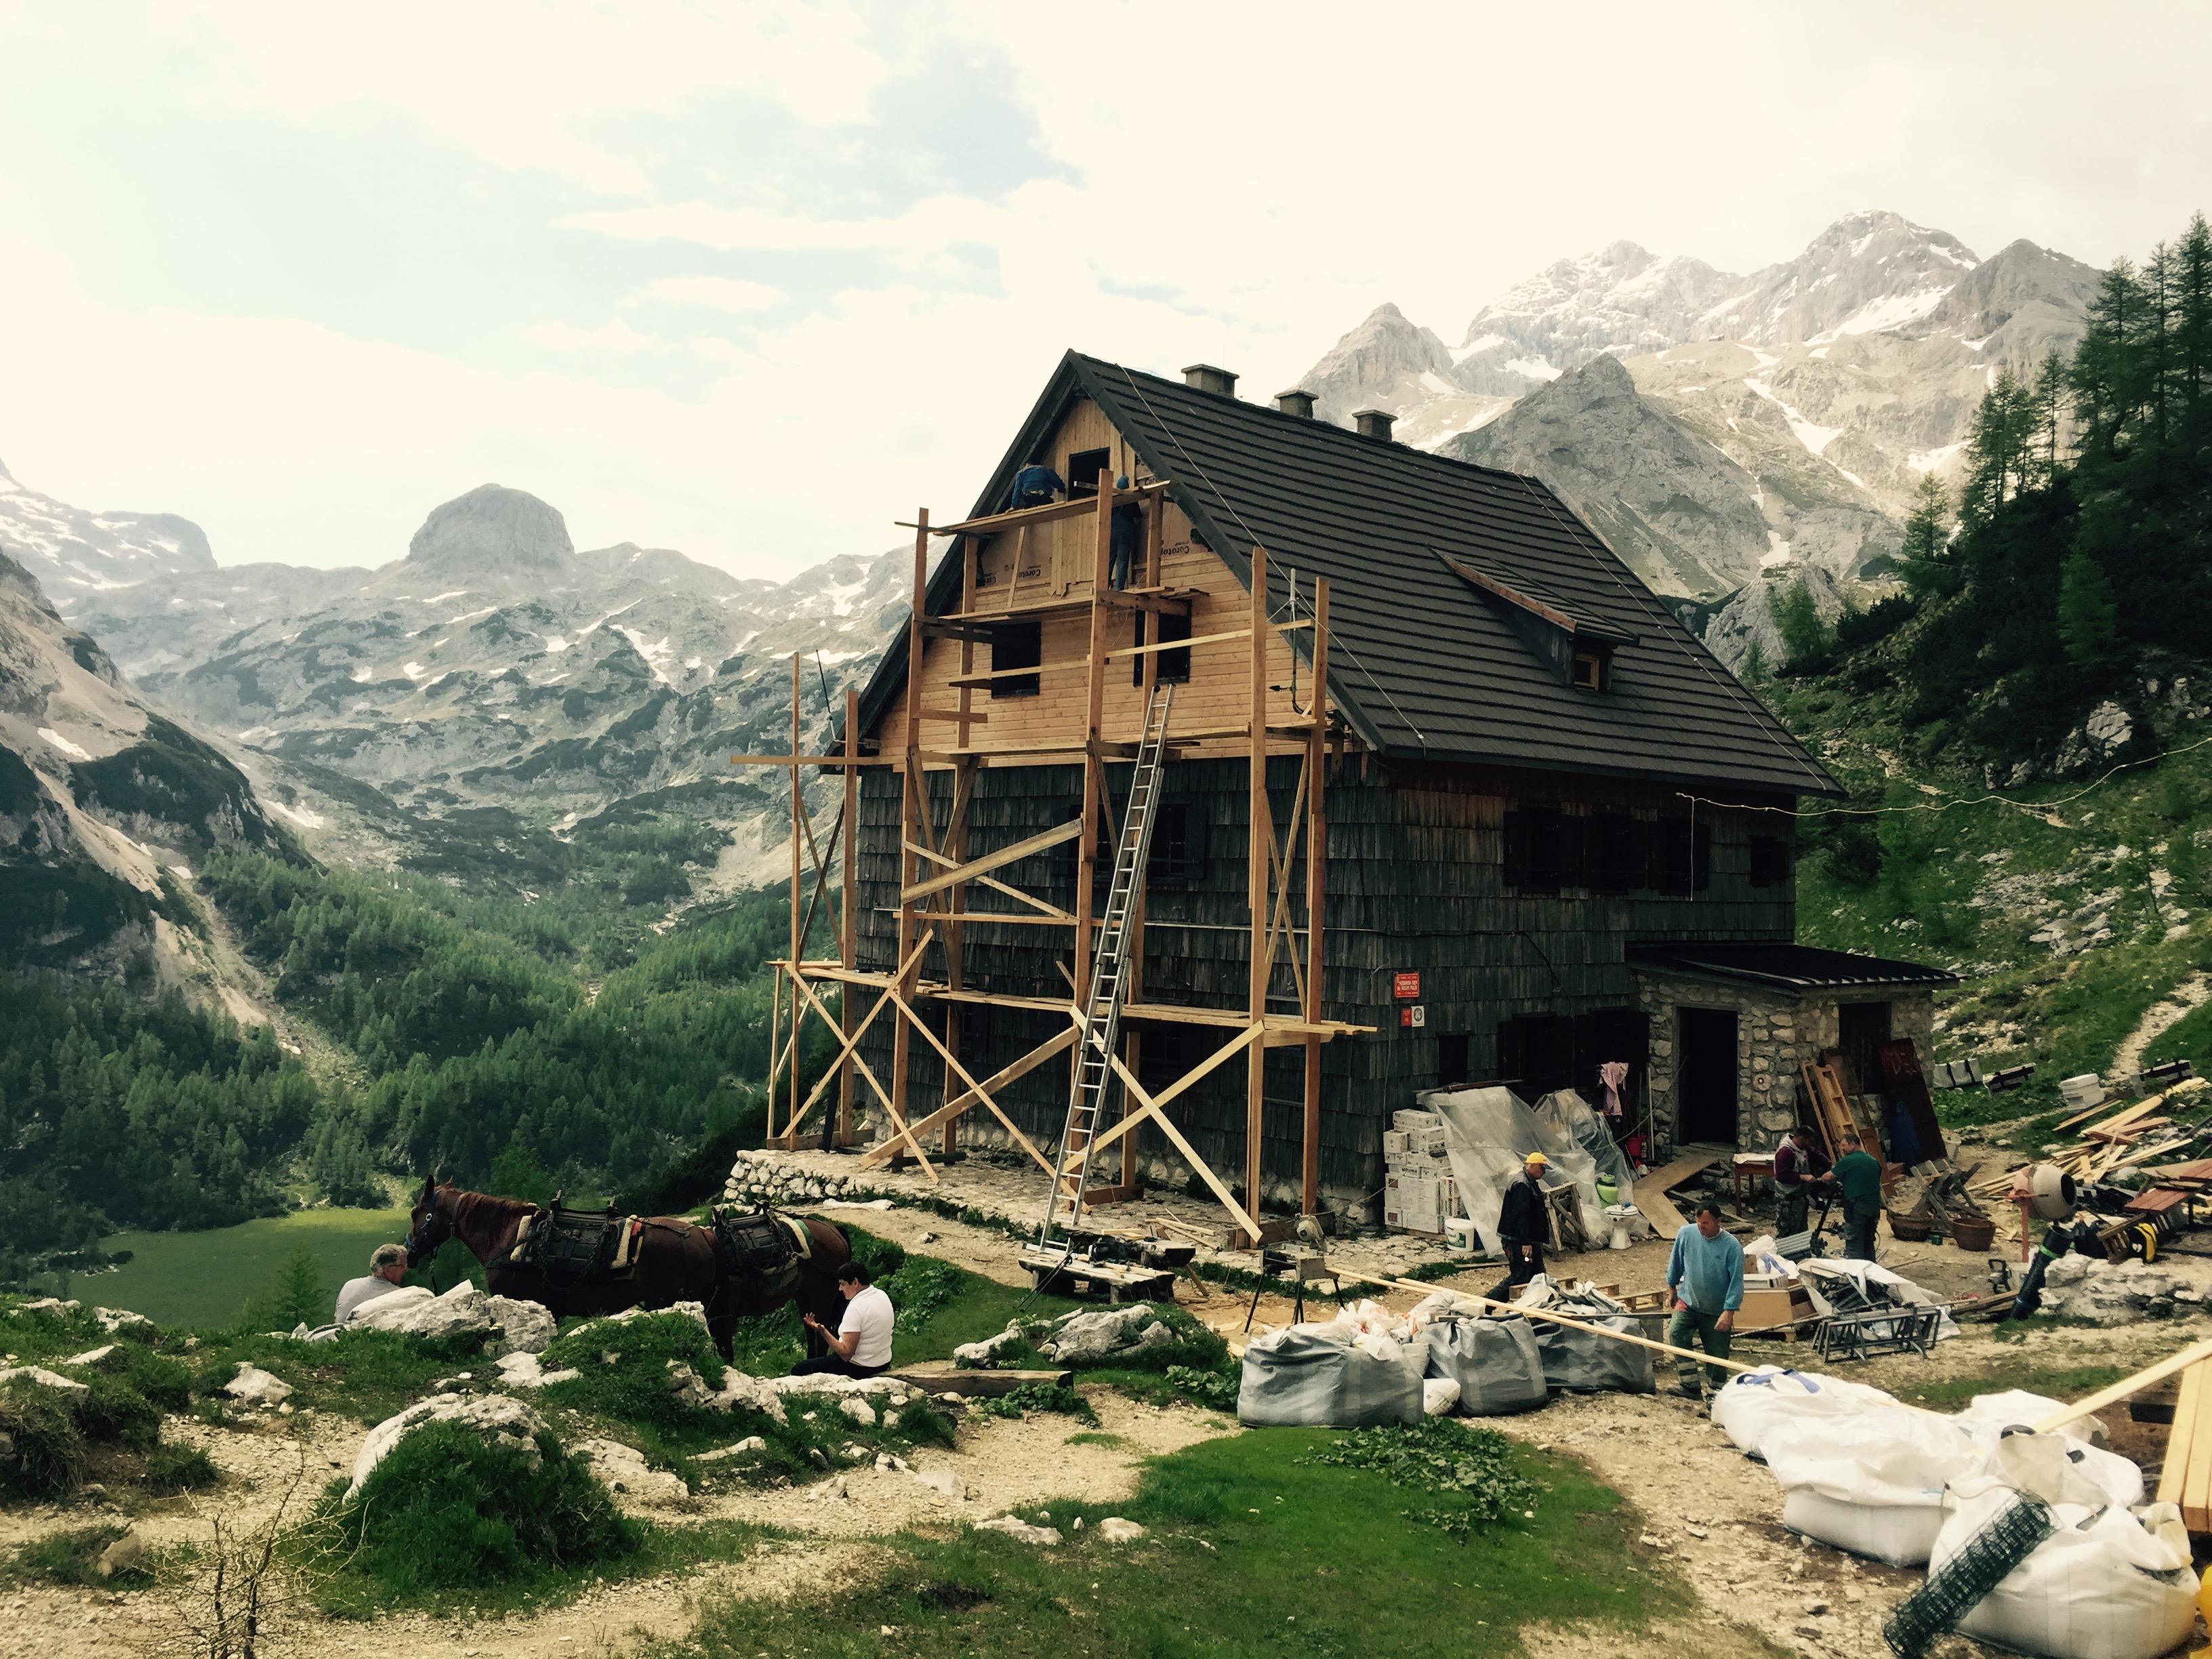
(2034, 808)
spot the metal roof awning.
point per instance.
(1798, 967)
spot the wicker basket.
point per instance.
(1973, 1232)
(1909, 1229)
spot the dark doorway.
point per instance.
(1862, 1029)
(1706, 1081)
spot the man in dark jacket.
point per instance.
(1800, 1168)
(1524, 1226)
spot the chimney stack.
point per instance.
(1373, 424)
(1207, 377)
(1296, 402)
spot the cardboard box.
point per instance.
(1430, 1141)
(1413, 1120)
(1396, 1143)
(1764, 1308)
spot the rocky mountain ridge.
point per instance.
(1797, 408)
(495, 668)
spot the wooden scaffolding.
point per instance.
(938, 874)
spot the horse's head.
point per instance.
(430, 1223)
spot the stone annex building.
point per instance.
(1557, 827)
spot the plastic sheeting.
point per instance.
(2108, 1585)
(1487, 1132)
(1496, 1363)
(1298, 1378)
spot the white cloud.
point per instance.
(615, 336)
(722, 293)
(513, 79)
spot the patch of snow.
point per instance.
(1890, 310)
(301, 815)
(554, 642)
(691, 662)
(414, 670)
(439, 598)
(63, 744)
(1852, 476)
(364, 674)
(470, 615)
(1473, 346)
(652, 654)
(1777, 551)
(434, 644)
(1533, 369)
(1432, 381)
(1976, 345)
(1814, 438)
(1925, 461)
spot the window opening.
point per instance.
(1451, 1060)
(1592, 670)
(1084, 467)
(1016, 645)
(1770, 861)
(1174, 665)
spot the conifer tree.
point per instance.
(2085, 611)
(1925, 559)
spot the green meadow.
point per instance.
(202, 1279)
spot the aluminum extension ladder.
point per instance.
(1092, 1072)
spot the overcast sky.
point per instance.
(754, 280)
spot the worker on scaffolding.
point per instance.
(1705, 1276)
(1034, 485)
(1524, 1226)
(1127, 531)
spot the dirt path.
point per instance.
(2191, 994)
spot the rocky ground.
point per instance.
(1701, 1501)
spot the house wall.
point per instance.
(1775, 1033)
(1416, 882)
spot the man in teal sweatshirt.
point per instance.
(1705, 1275)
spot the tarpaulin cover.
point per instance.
(1496, 1363)
(1583, 1362)
(1294, 1378)
(1487, 1132)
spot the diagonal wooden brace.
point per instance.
(1235, 1046)
(974, 1087)
(1004, 855)
(862, 1066)
(851, 1042)
(1150, 1108)
(961, 1103)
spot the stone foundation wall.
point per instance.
(1775, 1033)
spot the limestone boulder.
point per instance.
(256, 1387)
(524, 1327)
(463, 1310)
(627, 1473)
(69, 1389)
(1014, 1526)
(498, 1419)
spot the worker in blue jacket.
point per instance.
(1705, 1276)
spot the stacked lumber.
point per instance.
(2185, 1481)
(2139, 1136)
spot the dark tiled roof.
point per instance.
(1795, 967)
(1422, 664)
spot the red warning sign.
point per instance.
(1405, 988)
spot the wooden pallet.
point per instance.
(1649, 1193)
(2187, 1479)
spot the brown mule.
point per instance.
(676, 1261)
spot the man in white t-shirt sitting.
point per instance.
(387, 1266)
(862, 1344)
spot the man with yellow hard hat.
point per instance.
(1524, 1225)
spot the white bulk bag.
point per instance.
(1751, 1403)
(2106, 1585)
(1873, 1484)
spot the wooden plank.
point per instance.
(1151, 1108)
(2197, 1482)
(941, 1377)
(2127, 1386)
(1649, 1193)
(999, 860)
(2188, 1413)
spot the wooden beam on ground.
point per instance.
(2189, 1427)
(1005, 855)
(952, 1109)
